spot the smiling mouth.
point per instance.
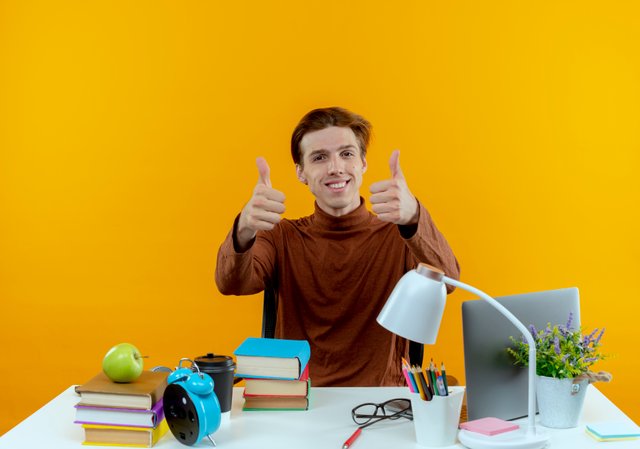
(337, 185)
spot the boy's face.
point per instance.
(332, 167)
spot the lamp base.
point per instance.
(516, 439)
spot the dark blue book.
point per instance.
(271, 358)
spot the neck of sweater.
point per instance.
(353, 219)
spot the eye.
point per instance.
(317, 157)
(348, 153)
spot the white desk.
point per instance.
(326, 425)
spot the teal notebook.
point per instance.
(272, 358)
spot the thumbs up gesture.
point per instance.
(263, 210)
(391, 199)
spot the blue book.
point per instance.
(271, 358)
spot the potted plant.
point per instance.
(563, 360)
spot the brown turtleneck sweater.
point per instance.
(333, 276)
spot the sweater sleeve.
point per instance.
(427, 244)
(245, 273)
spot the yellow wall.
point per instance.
(129, 131)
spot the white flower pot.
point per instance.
(560, 401)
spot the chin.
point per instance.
(343, 204)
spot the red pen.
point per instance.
(347, 444)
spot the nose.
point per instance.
(336, 165)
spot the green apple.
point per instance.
(123, 363)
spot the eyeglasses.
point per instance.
(366, 414)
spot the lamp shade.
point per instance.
(416, 304)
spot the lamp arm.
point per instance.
(527, 335)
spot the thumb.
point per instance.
(263, 171)
(394, 165)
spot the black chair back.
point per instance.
(269, 313)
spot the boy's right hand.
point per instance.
(263, 210)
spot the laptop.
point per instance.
(495, 387)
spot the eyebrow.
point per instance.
(324, 150)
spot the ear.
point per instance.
(364, 164)
(300, 174)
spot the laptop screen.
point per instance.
(495, 387)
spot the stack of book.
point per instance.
(276, 373)
(122, 414)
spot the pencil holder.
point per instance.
(436, 421)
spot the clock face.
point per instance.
(181, 415)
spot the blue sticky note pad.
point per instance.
(614, 429)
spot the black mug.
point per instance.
(221, 369)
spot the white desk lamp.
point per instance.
(414, 311)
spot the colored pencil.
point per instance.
(434, 379)
(425, 386)
(444, 378)
(406, 377)
(416, 377)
